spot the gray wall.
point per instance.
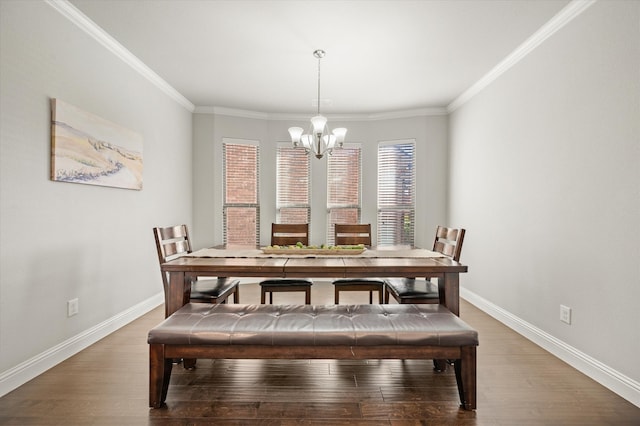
(429, 132)
(62, 240)
(541, 167)
(545, 174)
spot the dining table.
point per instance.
(381, 262)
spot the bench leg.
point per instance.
(159, 375)
(466, 377)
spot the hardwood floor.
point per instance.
(518, 384)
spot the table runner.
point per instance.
(252, 253)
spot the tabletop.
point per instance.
(254, 263)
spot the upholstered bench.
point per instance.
(312, 332)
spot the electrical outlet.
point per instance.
(565, 314)
(72, 307)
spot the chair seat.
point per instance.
(359, 284)
(411, 288)
(364, 281)
(278, 285)
(212, 288)
(283, 282)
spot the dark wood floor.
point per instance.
(518, 384)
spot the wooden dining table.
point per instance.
(383, 262)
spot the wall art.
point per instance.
(91, 150)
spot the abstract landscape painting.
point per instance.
(88, 149)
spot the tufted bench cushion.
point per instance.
(311, 332)
(310, 325)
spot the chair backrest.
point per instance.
(448, 241)
(287, 234)
(171, 242)
(352, 234)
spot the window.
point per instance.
(396, 192)
(241, 209)
(292, 185)
(343, 187)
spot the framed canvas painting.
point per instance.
(88, 149)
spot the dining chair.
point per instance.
(356, 234)
(173, 242)
(448, 241)
(286, 234)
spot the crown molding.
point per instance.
(74, 15)
(69, 11)
(562, 18)
(421, 112)
(241, 113)
(232, 112)
(566, 15)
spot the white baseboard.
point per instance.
(617, 382)
(27, 370)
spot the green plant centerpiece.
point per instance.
(300, 248)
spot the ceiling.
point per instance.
(381, 56)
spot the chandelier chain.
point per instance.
(319, 59)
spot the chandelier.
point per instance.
(319, 140)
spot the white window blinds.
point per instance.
(241, 209)
(292, 185)
(343, 187)
(396, 193)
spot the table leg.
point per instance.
(450, 288)
(449, 293)
(175, 297)
(178, 293)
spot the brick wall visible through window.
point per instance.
(343, 187)
(241, 210)
(293, 185)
